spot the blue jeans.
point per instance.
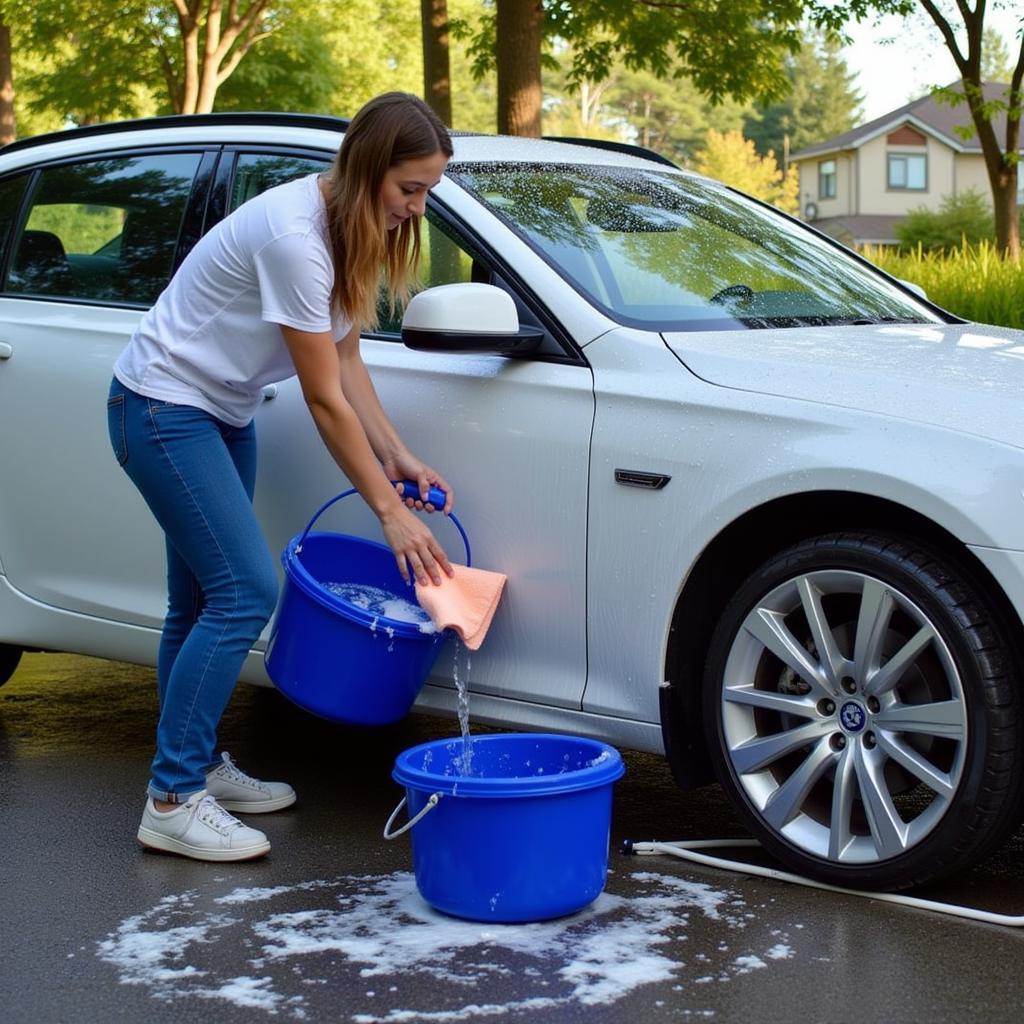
(197, 475)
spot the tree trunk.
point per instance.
(1002, 177)
(437, 83)
(7, 132)
(226, 38)
(518, 59)
(1004, 201)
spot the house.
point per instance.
(859, 185)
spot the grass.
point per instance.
(974, 282)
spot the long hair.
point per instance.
(389, 129)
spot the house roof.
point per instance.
(927, 114)
(860, 229)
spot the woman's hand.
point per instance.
(414, 546)
(406, 466)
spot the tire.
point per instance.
(9, 658)
(863, 706)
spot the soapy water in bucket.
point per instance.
(382, 603)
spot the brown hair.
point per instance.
(389, 129)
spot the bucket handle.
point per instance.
(411, 487)
(432, 802)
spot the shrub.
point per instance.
(964, 217)
(973, 282)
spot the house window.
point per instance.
(908, 171)
(827, 179)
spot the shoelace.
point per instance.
(211, 813)
(235, 774)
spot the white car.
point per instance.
(760, 505)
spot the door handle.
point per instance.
(6, 351)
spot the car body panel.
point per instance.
(77, 506)
(729, 452)
(921, 372)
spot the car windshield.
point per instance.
(670, 251)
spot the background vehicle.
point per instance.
(759, 505)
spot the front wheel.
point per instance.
(9, 658)
(864, 712)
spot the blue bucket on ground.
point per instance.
(334, 658)
(523, 838)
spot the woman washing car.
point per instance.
(281, 287)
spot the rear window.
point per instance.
(103, 229)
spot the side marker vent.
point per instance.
(638, 478)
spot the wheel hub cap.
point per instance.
(853, 717)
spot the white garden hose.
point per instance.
(688, 850)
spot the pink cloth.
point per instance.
(465, 602)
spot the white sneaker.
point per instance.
(200, 828)
(236, 791)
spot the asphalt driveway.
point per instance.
(330, 927)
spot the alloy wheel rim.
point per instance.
(844, 717)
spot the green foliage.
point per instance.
(727, 50)
(731, 49)
(670, 116)
(963, 218)
(80, 228)
(82, 62)
(289, 70)
(974, 282)
(732, 159)
(823, 100)
(996, 61)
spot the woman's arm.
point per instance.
(384, 439)
(317, 362)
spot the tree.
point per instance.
(963, 33)
(7, 128)
(186, 48)
(437, 72)
(670, 115)
(518, 37)
(823, 100)
(732, 159)
(732, 49)
(292, 70)
(996, 63)
(212, 37)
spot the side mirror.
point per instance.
(915, 288)
(466, 318)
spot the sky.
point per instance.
(890, 74)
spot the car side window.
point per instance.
(444, 259)
(103, 230)
(11, 192)
(256, 172)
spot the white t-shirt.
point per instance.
(213, 338)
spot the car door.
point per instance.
(510, 435)
(92, 242)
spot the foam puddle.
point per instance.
(369, 950)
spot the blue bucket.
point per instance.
(330, 656)
(523, 838)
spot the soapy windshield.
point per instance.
(663, 250)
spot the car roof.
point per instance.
(307, 130)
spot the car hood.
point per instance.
(967, 377)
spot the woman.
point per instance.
(280, 287)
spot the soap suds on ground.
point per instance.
(367, 948)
